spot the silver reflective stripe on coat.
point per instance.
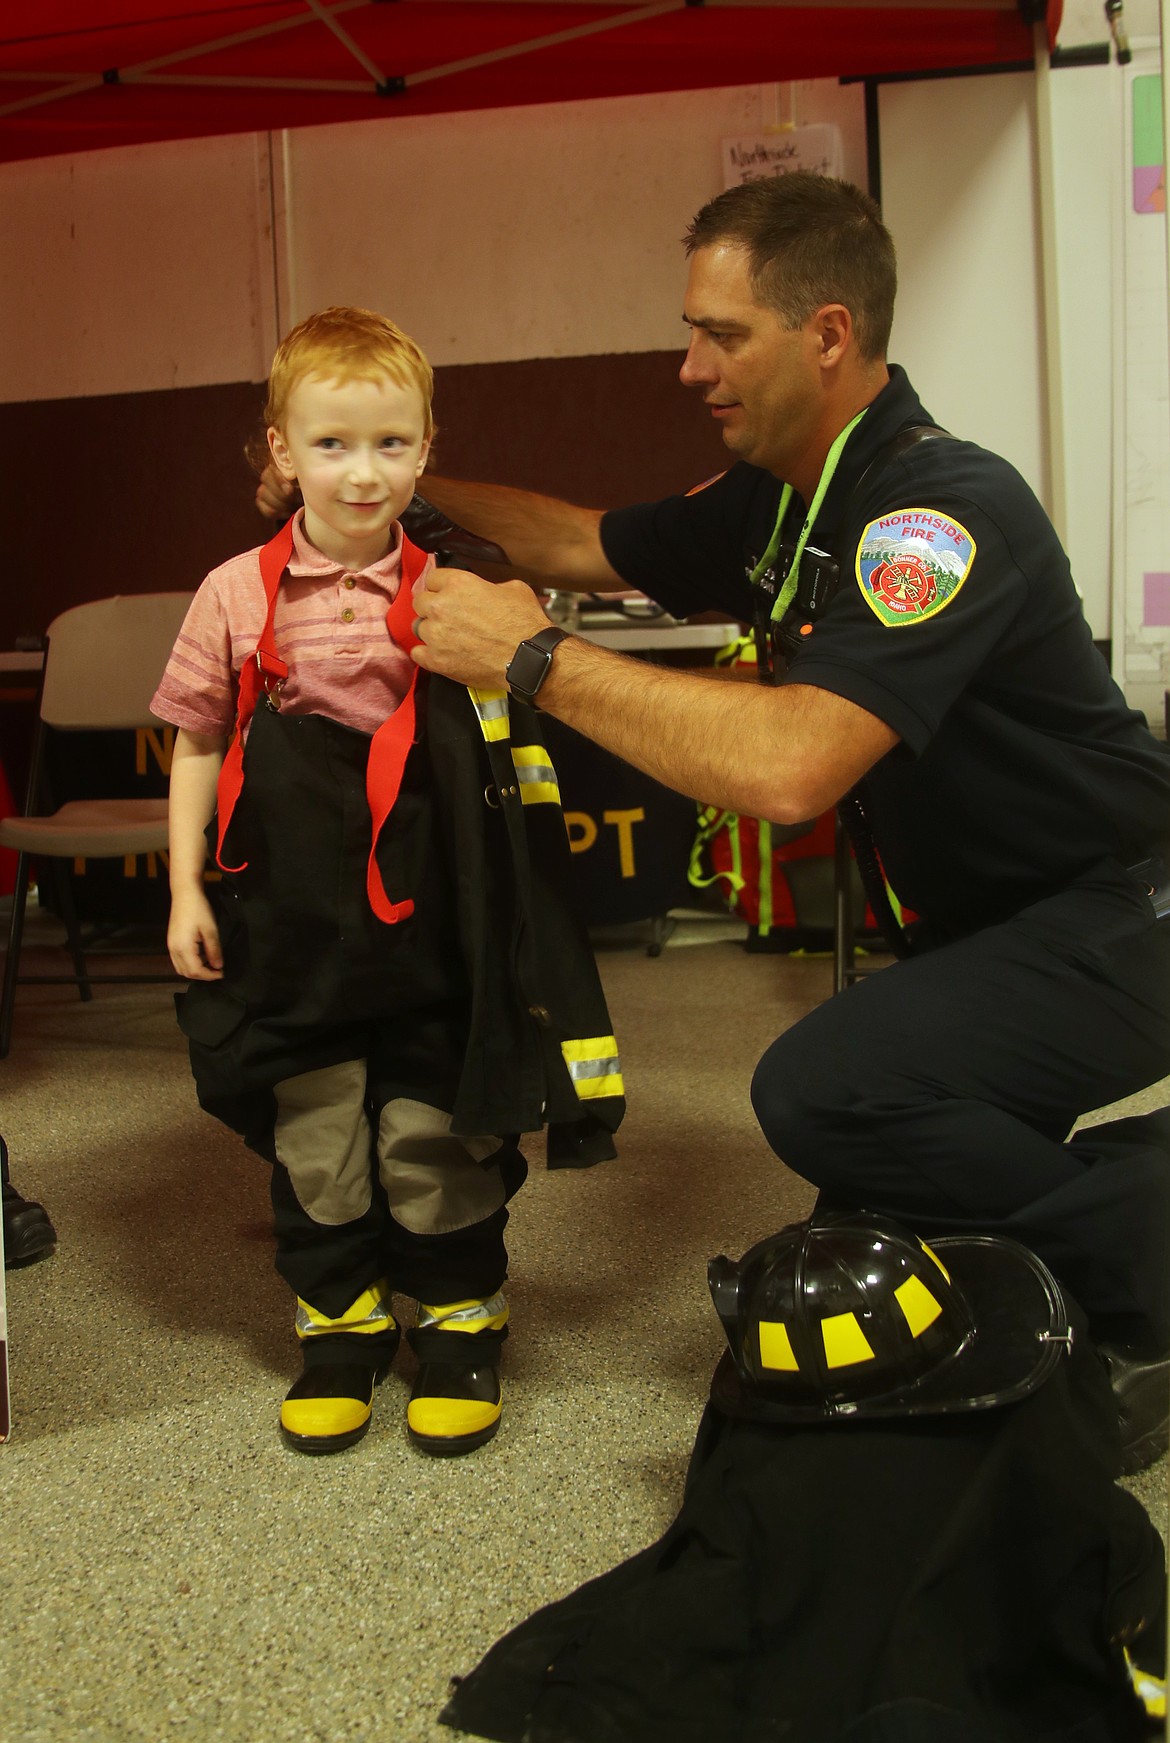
(595, 1067)
(536, 775)
(491, 707)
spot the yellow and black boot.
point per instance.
(329, 1407)
(455, 1402)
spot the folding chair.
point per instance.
(102, 665)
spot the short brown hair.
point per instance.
(811, 240)
(345, 344)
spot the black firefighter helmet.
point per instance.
(849, 1315)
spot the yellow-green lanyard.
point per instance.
(784, 597)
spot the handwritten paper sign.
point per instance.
(816, 148)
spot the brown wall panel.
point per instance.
(126, 493)
(136, 492)
(602, 431)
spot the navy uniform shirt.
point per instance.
(957, 623)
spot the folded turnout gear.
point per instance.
(964, 1572)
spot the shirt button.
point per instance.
(348, 581)
(347, 614)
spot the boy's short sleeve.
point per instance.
(197, 691)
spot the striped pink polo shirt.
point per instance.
(330, 629)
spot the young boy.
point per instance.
(359, 1010)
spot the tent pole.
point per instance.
(268, 328)
(1050, 287)
(873, 140)
(284, 235)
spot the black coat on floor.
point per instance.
(966, 1579)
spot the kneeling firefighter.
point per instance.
(900, 1525)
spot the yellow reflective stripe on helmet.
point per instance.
(537, 777)
(918, 1304)
(931, 1254)
(845, 1342)
(1149, 1689)
(595, 1067)
(492, 708)
(776, 1346)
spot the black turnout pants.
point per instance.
(334, 1043)
(943, 1090)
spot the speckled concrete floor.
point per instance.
(169, 1569)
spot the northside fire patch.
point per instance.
(910, 564)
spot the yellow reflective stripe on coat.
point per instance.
(491, 706)
(1149, 1689)
(537, 777)
(595, 1067)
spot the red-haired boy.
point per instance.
(331, 1007)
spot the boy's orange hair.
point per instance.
(344, 344)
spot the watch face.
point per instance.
(528, 667)
(527, 670)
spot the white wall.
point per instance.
(551, 231)
(537, 232)
(970, 323)
(957, 193)
(971, 329)
(554, 231)
(137, 268)
(1141, 523)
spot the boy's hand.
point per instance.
(276, 498)
(470, 628)
(193, 938)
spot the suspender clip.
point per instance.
(273, 676)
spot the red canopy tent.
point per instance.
(80, 74)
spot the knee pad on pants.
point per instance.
(322, 1137)
(435, 1182)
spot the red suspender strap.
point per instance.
(261, 672)
(265, 670)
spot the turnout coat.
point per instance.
(445, 826)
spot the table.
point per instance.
(631, 837)
(632, 637)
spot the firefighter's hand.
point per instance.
(469, 627)
(276, 498)
(193, 937)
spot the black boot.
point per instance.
(329, 1407)
(28, 1233)
(456, 1402)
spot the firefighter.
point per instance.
(942, 678)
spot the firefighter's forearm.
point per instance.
(552, 542)
(786, 754)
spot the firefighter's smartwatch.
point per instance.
(528, 668)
